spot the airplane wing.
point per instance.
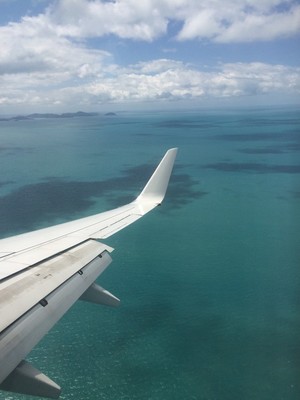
(42, 273)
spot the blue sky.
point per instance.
(122, 54)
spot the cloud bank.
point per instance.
(217, 20)
(47, 58)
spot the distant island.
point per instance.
(53, 116)
(110, 114)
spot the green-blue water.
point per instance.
(209, 282)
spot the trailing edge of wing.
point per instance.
(47, 304)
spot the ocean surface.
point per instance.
(209, 282)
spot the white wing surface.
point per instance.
(42, 273)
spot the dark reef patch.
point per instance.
(12, 150)
(296, 194)
(292, 136)
(268, 122)
(262, 150)
(185, 124)
(44, 202)
(258, 168)
(277, 149)
(4, 183)
(181, 190)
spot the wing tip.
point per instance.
(156, 187)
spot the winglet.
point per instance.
(155, 189)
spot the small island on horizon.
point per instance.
(110, 114)
(53, 116)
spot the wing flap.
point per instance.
(17, 340)
(24, 290)
(17, 262)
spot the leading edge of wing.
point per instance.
(43, 243)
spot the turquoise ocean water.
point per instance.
(209, 282)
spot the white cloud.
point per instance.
(158, 66)
(168, 79)
(160, 80)
(217, 20)
(33, 49)
(51, 41)
(256, 26)
(242, 21)
(123, 18)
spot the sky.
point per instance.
(94, 55)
